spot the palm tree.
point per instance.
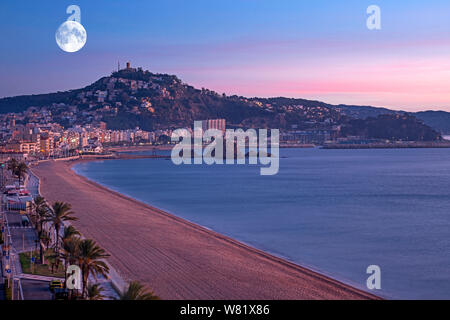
(45, 238)
(39, 204)
(53, 260)
(90, 260)
(12, 165)
(70, 252)
(41, 217)
(70, 243)
(137, 291)
(20, 171)
(94, 292)
(40, 213)
(57, 216)
(69, 233)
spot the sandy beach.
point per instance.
(176, 258)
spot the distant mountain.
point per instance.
(403, 127)
(132, 98)
(438, 120)
(22, 103)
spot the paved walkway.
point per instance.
(33, 184)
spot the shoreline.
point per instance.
(412, 145)
(329, 146)
(211, 229)
(279, 278)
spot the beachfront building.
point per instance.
(46, 145)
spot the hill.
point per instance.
(438, 120)
(132, 98)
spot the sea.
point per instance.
(335, 211)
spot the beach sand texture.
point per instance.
(176, 258)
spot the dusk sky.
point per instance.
(307, 49)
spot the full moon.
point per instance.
(71, 36)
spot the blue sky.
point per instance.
(312, 49)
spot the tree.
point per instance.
(90, 260)
(94, 292)
(69, 233)
(20, 171)
(40, 209)
(53, 260)
(39, 204)
(41, 216)
(70, 250)
(12, 165)
(17, 168)
(60, 213)
(137, 291)
(40, 213)
(70, 244)
(45, 238)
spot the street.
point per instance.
(23, 238)
(35, 290)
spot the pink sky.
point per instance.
(407, 74)
(307, 49)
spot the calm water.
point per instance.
(337, 211)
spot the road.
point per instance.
(35, 290)
(23, 238)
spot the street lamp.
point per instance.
(9, 241)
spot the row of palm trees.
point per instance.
(19, 169)
(71, 249)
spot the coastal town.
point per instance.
(50, 140)
(43, 138)
(137, 107)
(44, 201)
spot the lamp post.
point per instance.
(9, 244)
